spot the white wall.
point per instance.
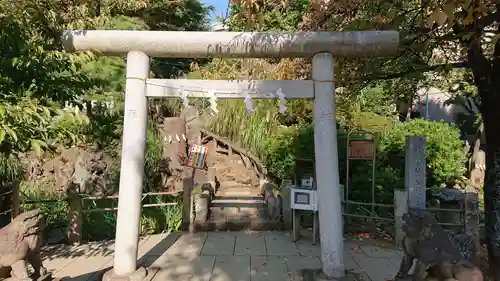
(437, 110)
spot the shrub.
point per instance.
(11, 168)
(370, 122)
(101, 225)
(445, 156)
(30, 125)
(279, 155)
(290, 143)
(54, 209)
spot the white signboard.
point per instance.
(304, 199)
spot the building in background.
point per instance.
(218, 26)
(434, 104)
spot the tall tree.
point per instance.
(37, 77)
(436, 37)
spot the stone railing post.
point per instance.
(413, 196)
(400, 208)
(15, 199)
(74, 219)
(286, 186)
(471, 217)
(203, 199)
(415, 171)
(187, 201)
(212, 177)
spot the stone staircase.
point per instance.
(237, 203)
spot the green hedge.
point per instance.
(445, 157)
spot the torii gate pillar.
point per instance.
(327, 166)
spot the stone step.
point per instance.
(235, 213)
(223, 207)
(238, 200)
(255, 224)
(237, 190)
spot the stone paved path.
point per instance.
(222, 256)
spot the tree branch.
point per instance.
(399, 74)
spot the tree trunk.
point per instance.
(492, 195)
(486, 73)
(491, 118)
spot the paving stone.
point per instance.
(350, 263)
(270, 268)
(376, 268)
(396, 259)
(83, 268)
(179, 269)
(178, 258)
(373, 251)
(150, 261)
(378, 252)
(280, 244)
(189, 245)
(353, 267)
(219, 243)
(231, 268)
(56, 258)
(306, 248)
(157, 244)
(351, 244)
(250, 244)
(296, 263)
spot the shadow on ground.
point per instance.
(222, 256)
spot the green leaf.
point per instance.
(46, 111)
(2, 135)
(36, 147)
(10, 132)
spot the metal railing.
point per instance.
(76, 207)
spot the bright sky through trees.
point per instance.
(220, 8)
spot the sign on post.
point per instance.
(361, 149)
(197, 156)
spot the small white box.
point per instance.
(306, 182)
(304, 199)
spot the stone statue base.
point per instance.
(138, 275)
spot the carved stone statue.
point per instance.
(440, 255)
(20, 243)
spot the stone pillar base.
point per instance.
(138, 275)
(316, 274)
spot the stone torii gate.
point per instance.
(139, 46)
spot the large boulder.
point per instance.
(75, 170)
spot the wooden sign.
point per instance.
(361, 149)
